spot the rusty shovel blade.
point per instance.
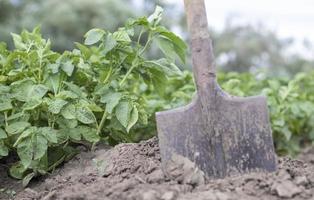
(217, 134)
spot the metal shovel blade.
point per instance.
(221, 135)
(228, 136)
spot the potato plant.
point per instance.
(290, 103)
(50, 101)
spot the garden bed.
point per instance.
(132, 171)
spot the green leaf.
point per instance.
(32, 148)
(40, 146)
(4, 106)
(95, 108)
(2, 134)
(4, 89)
(84, 50)
(3, 78)
(68, 68)
(18, 43)
(169, 68)
(156, 16)
(287, 133)
(27, 133)
(26, 90)
(25, 152)
(166, 47)
(74, 134)
(27, 179)
(115, 125)
(17, 127)
(49, 133)
(179, 45)
(93, 36)
(53, 82)
(176, 40)
(56, 105)
(76, 89)
(68, 111)
(4, 151)
(111, 99)
(62, 135)
(20, 116)
(20, 89)
(32, 104)
(142, 21)
(173, 68)
(133, 118)
(65, 94)
(69, 123)
(88, 133)
(37, 91)
(85, 115)
(122, 112)
(17, 170)
(180, 52)
(54, 67)
(159, 81)
(121, 36)
(110, 43)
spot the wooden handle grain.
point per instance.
(201, 44)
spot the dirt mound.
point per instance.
(132, 171)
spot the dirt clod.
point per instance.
(286, 189)
(170, 195)
(301, 180)
(133, 171)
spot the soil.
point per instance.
(133, 171)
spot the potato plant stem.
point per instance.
(147, 44)
(140, 36)
(6, 118)
(150, 37)
(126, 75)
(102, 122)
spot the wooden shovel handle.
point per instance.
(201, 44)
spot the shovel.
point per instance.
(220, 134)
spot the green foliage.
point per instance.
(108, 89)
(50, 101)
(290, 103)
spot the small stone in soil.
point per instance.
(284, 175)
(286, 189)
(170, 195)
(156, 176)
(301, 180)
(150, 195)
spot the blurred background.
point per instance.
(275, 37)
